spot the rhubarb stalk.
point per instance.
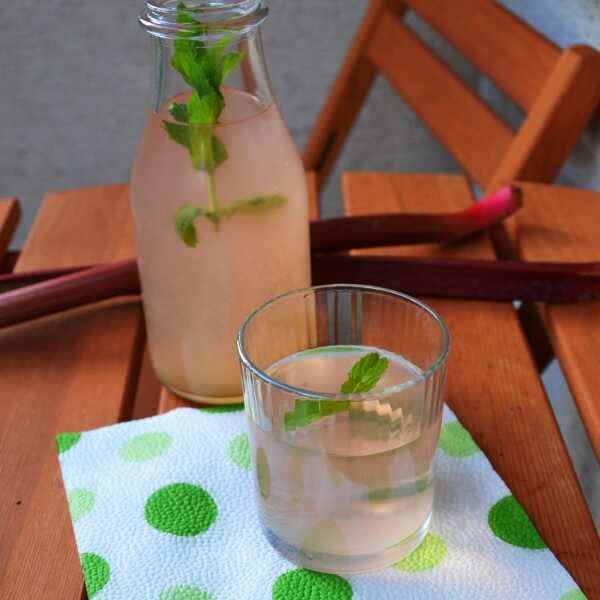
(366, 231)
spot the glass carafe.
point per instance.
(218, 193)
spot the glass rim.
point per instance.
(219, 18)
(315, 395)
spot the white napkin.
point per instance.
(163, 509)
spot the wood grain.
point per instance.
(10, 213)
(80, 227)
(558, 223)
(512, 54)
(467, 127)
(69, 372)
(346, 97)
(492, 382)
(147, 394)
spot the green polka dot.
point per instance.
(65, 441)
(81, 501)
(223, 408)
(181, 509)
(574, 595)
(263, 473)
(185, 592)
(510, 523)
(96, 573)
(145, 446)
(239, 451)
(456, 441)
(302, 584)
(428, 555)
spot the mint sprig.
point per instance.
(362, 377)
(186, 214)
(205, 69)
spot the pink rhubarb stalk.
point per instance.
(394, 229)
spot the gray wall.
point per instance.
(76, 81)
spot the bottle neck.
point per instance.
(207, 46)
(202, 19)
(250, 77)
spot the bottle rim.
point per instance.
(209, 19)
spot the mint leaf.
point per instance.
(206, 150)
(179, 112)
(204, 110)
(365, 374)
(308, 411)
(229, 63)
(182, 134)
(253, 205)
(363, 377)
(188, 52)
(211, 61)
(186, 215)
(184, 224)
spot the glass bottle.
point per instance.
(218, 193)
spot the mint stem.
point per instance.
(213, 201)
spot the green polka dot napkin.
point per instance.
(163, 509)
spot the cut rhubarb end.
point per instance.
(495, 207)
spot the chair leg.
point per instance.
(535, 330)
(348, 93)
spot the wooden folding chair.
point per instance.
(557, 90)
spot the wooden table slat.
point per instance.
(493, 385)
(563, 224)
(69, 372)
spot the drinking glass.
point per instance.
(344, 481)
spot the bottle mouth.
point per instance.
(205, 19)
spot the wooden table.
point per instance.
(88, 367)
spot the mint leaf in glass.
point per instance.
(362, 377)
(365, 374)
(253, 205)
(206, 150)
(184, 224)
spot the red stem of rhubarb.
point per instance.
(345, 233)
(68, 291)
(448, 278)
(468, 279)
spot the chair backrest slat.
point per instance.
(462, 122)
(553, 126)
(559, 89)
(512, 54)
